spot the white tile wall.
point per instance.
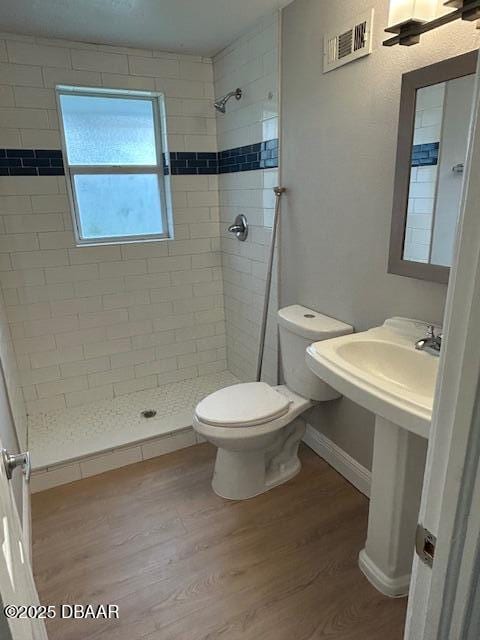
(91, 323)
(249, 63)
(423, 180)
(88, 324)
(421, 205)
(429, 114)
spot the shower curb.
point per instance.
(91, 465)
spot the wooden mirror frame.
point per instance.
(444, 71)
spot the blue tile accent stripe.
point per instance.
(262, 155)
(425, 155)
(251, 157)
(191, 163)
(31, 162)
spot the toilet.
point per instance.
(257, 427)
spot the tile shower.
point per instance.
(149, 322)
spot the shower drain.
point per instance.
(148, 413)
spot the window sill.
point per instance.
(121, 241)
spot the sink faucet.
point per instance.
(432, 343)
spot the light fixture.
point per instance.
(410, 18)
(404, 12)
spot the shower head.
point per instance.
(220, 104)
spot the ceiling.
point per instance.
(200, 27)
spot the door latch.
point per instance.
(13, 460)
(425, 543)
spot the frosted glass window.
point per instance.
(113, 158)
(118, 205)
(108, 131)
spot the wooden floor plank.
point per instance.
(184, 564)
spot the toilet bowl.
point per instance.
(256, 427)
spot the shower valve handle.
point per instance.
(240, 227)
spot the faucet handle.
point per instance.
(432, 343)
(431, 331)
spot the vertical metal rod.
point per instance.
(278, 191)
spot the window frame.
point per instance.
(71, 170)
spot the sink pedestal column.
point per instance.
(397, 479)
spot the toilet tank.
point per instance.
(298, 328)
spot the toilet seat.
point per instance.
(242, 405)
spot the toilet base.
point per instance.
(248, 489)
(240, 475)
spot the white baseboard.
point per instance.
(337, 458)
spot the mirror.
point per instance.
(435, 112)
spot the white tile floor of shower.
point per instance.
(75, 443)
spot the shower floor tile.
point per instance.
(61, 436)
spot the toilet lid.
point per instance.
(242, 405)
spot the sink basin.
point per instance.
(393, 364)
(381, 370)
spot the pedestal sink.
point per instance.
(381, 370)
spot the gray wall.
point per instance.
(339, 141)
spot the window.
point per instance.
(112, 146)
